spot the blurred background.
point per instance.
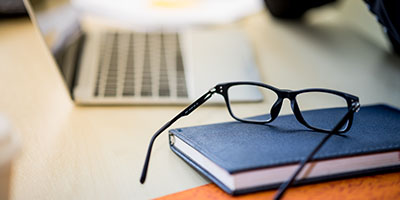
(188, 12)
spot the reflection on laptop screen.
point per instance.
(58, 23)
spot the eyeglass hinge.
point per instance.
(212, 90)
(355, 106)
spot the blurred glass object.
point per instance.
(10, 145)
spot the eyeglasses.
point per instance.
(322, 120)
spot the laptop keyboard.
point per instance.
(146, 65)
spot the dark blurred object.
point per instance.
(292, 9)
(388, 14)
(10, 8)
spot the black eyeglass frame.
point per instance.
(223, 88)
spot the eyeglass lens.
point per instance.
(324, 118)
(244, 110)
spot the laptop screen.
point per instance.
(59, 26)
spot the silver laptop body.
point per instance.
(111, 66)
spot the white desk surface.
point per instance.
(75, 152)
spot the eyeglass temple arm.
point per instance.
(183, 113)
(282, 189)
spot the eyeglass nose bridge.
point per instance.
(282, 95)
(286, 94)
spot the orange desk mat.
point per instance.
(384, 186)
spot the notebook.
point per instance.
(242, 158)
(105, 63)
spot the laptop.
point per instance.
(108, 65)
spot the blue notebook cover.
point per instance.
(238, 147)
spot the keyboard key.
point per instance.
(146, 82)
(129, 82)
